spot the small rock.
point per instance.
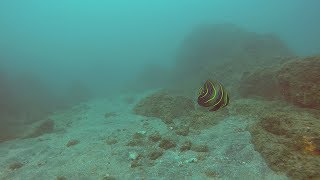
(211, 173)
(44, 127)
(155, 155)
(108, 177)
(183, 131)
(138, 135)
(110, 114)
(111, 141)
(72, 142)
(61, 178)
(135, 163)
(167, 144)
(155, 137)
(135, 142)
(200, 148)
(186, 146)
(15, 165)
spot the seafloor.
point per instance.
(92, 141)
(269, 130)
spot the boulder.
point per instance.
(296, 81)
(299, 82)
(261, 82)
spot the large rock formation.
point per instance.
(299, 82)
(296, 81)
(252, 65)
(224, 52)
(289, 141)
(286, 136)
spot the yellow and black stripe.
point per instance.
(213, 95)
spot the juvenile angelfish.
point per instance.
(213, 96)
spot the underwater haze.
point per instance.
(107, 89)
(105, 42)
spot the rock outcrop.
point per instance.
(289, 141)
(224, 52)
(296, 81)
(286, 136)
(299, 82)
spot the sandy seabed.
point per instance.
(90, 141)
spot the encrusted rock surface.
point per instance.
(299, 82)
(296, 81)
(164, 106)
(287, 136)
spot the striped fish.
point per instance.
(213, 96)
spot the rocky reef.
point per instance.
(299, 82)
(178, 112)
(289, 142)
(164, 106)
(262, 82)
(285, 135)
(224, 52)
(296, 81)
(277, 92)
